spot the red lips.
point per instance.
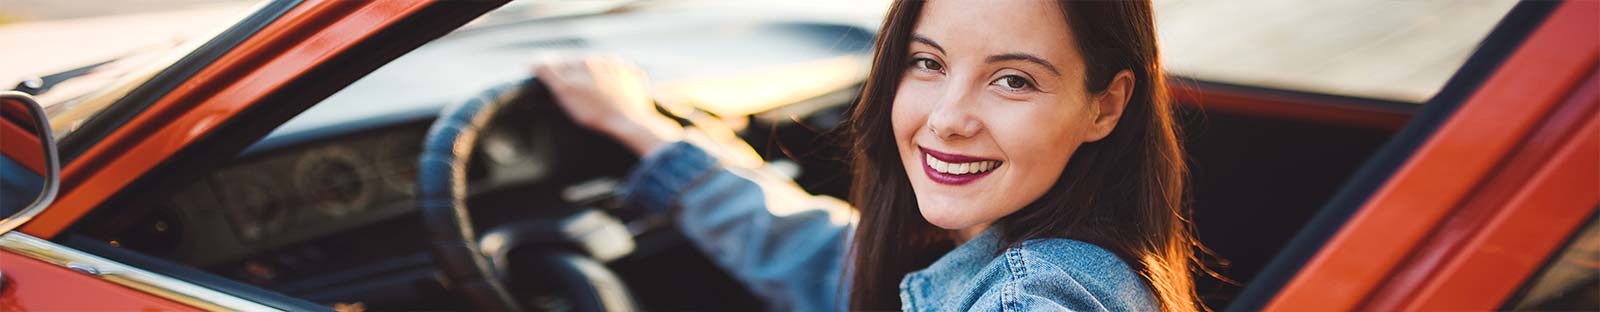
(953, 158)
(951, 179)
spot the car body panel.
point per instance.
(1456, 159)
(33, 285)
(1512, 224)
(87, 269)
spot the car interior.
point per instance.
(324, 211)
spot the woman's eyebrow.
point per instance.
(1018, 56)
(925, 40)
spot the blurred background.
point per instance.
(1388, 49)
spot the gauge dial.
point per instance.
(256, 206)
(334, 181)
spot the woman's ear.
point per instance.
(1108, 106)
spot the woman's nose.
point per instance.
(953, 116)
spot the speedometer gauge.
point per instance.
(334, 181)
(256, 206)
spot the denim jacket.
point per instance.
(789, 246)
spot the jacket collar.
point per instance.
(969, 257)
(946, 277)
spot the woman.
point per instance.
(1009, 155)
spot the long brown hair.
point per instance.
(1124, 193)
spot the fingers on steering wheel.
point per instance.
(558, 70)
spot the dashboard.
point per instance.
(312, 187)
(280, 197)
(350, 161)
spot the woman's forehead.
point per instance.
(965, 28)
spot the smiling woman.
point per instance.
(1036, 130)
(1073, 90)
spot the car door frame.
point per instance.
(227, 93)
(311, 51)
(1419, 225)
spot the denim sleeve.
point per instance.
(786, 245)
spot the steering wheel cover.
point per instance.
(442, 191)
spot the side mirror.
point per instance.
(29, 166)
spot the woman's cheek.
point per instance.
(1040, 136)
(910, 109)
(1055, 123)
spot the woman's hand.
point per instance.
(610, 96)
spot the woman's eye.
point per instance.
(928, 64)
(1014, 82)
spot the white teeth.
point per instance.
(961, 168)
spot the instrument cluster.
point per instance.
(273, 194)
(300, 192)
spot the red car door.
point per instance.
(272, 65)
(1481, 203)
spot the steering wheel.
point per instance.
(442, 197)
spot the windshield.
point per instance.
(77, 69)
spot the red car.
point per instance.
(275, 166)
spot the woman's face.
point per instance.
(991, 106)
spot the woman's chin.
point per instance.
(949, 217)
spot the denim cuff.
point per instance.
(664, 174)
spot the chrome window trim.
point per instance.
(121, 274)
(51, 176)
